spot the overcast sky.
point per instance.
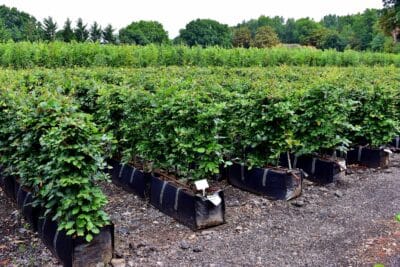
(175, 14)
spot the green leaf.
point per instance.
(70, 232)
(89, 237)
(201, 150)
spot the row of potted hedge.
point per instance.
(51, 155)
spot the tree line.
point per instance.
(374, 30)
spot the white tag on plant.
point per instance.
(215, 199)
(201, 185)
(342, 164)
(388, 151)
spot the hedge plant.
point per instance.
(57, 152)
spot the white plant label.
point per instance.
(215, 199)
(202, 185)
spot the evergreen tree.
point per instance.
(67, 34)
(81, 33)
(108, 35)
(49, 29)
(95, 32)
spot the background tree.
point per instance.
(206, 32)
(242, 37)
(378, 43)
(143, 33)
(5, 34)
(324, 38)
(330, 21)
(289, 35)
(95, 32)
(265, 37)
(67, 33)
(277, 23)
(304, 29)
(390, 19)
(108, 35)
(19, 26)
(80, 32)
(49, 29)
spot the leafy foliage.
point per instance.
(143, 33)
(60, 54)
(242, 37)
(57, 152)
(206, 32)
(190, 120)
(19, 26)
(265, 37)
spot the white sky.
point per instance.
(175, 14)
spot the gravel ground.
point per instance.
(348, 224)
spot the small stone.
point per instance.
(184, 245)
(338, 194)
(141, 245)
(234, 203)
(298, 203)
(198, 249)
(207, 232)
(155, 222)
(239, 228)
(124, 230)
(118, 262)
(192, 237)
(22, 230)
(323, 189)
(160, 263)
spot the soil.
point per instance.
(347, 224)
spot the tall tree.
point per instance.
(67, 34)
(49, 29)
(5, 34)
(143, 33)
(265, 37)
(206, 32)
(290, 35)
(390, 19)
(330, 21)
(95, 32)
(304, 29)
(242, 37)
(19, 26)
(81, 33)
(108, 35)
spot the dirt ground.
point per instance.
(348, 224)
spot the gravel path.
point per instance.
(350, 224)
